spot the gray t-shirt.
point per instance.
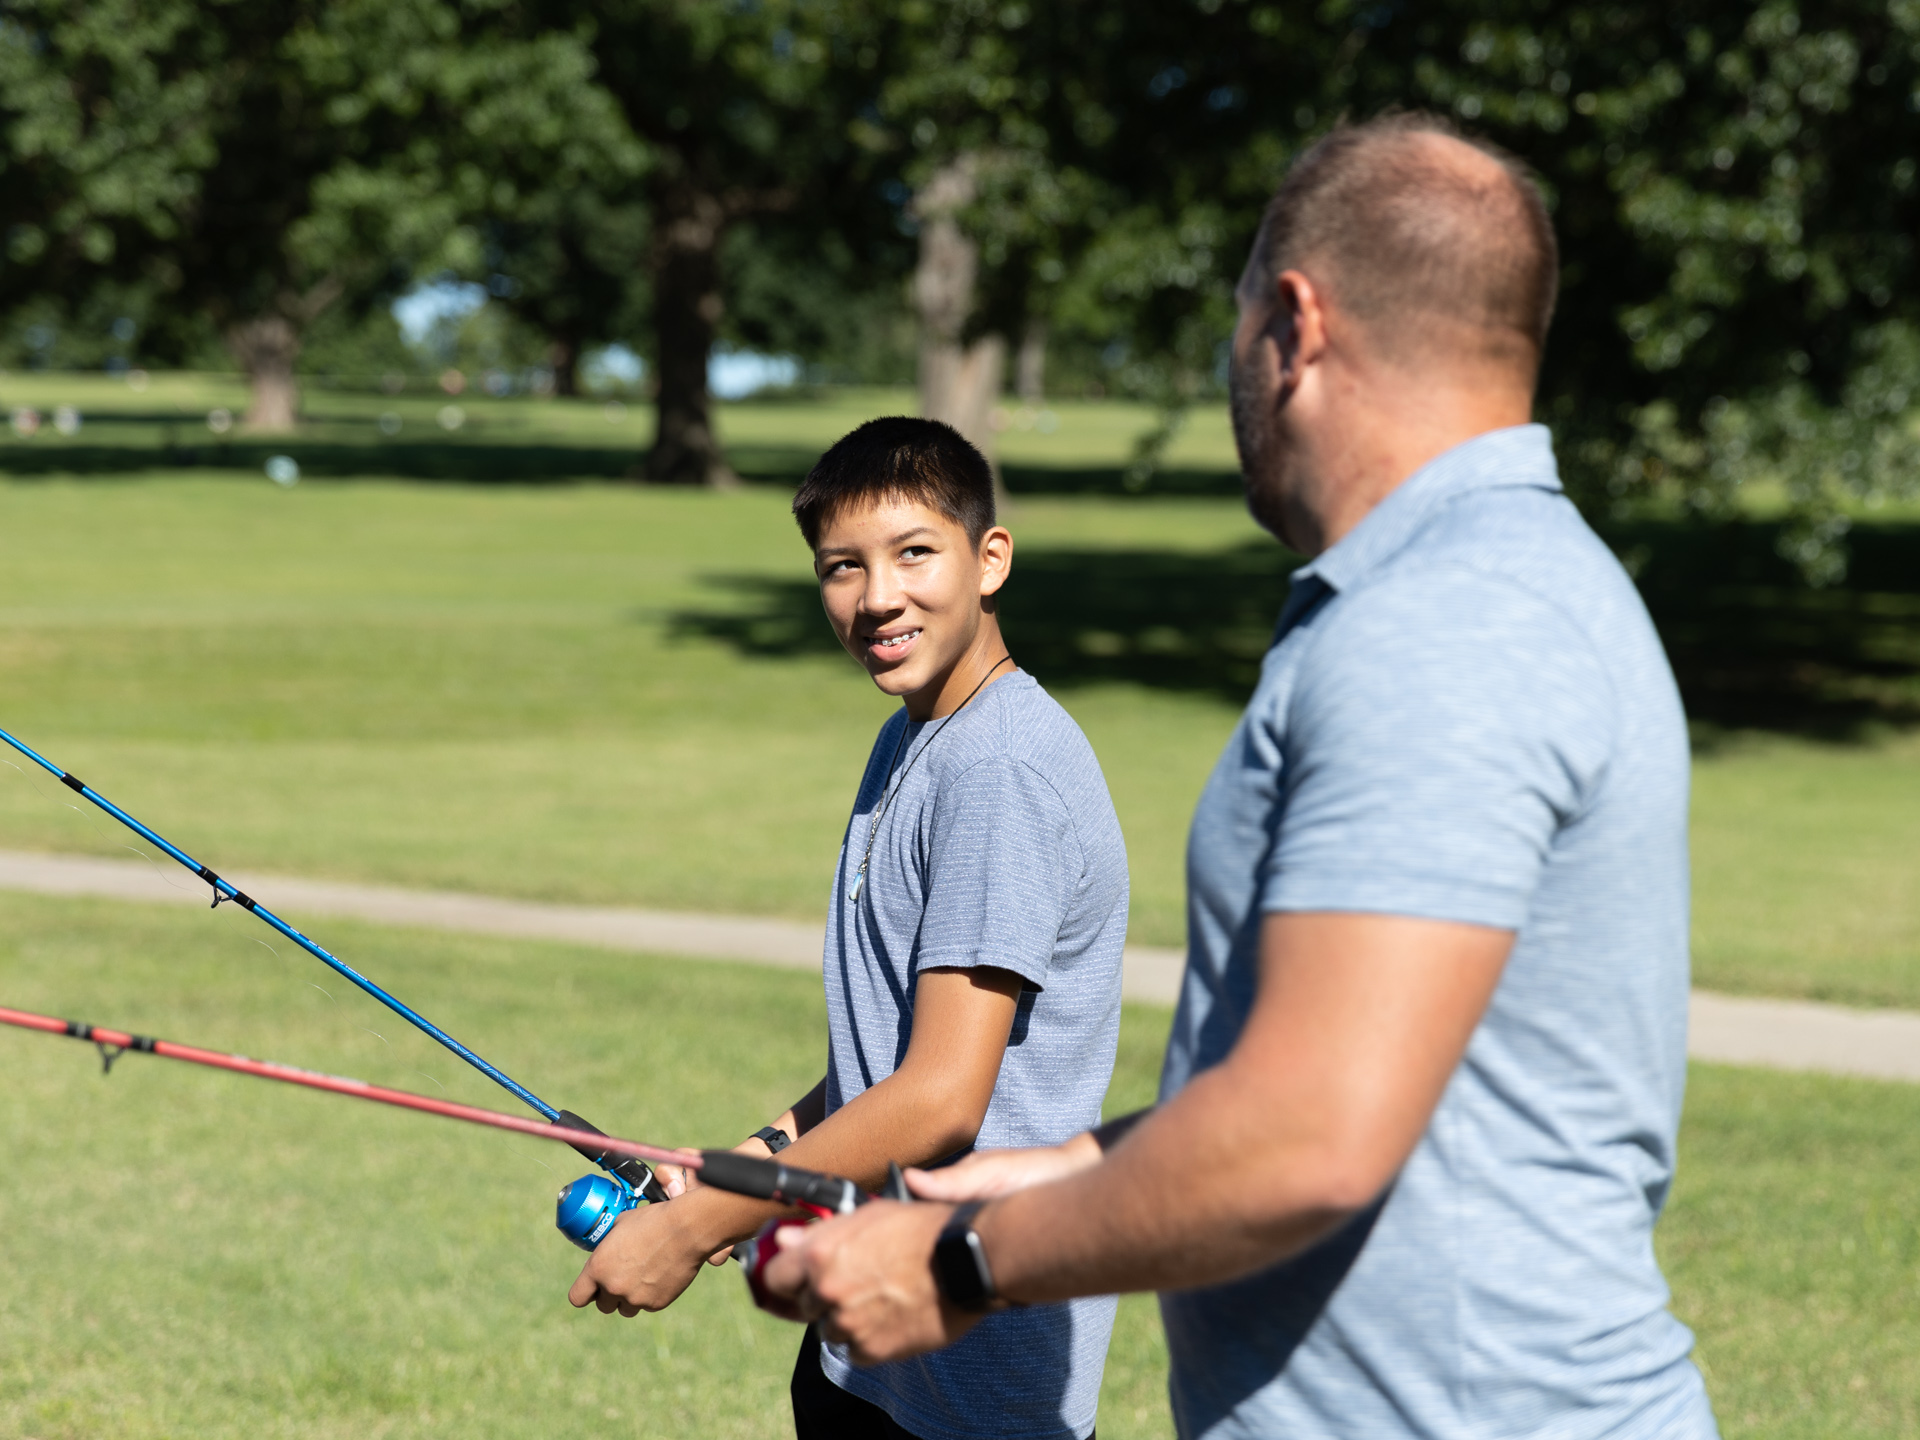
(1000, 848)
(1466, 716)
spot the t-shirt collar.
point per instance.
(1519, 455)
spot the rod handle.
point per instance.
(628, 1167)
(770, 1180)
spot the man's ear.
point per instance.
(1298, 326)
(996, 559)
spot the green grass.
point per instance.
(597, 692)
(483, 688)
(194, 1254)
(1793, 1250)
(1804, 870)
(533, 439)
(501, 689)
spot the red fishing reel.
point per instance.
(821, 1196)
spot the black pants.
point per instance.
(823, 1411)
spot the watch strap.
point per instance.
(773, 1137)
(960, 1269)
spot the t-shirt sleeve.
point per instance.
(1444, 728)
(1003, 862)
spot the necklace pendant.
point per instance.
(859, 879)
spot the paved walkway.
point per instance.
(1784, 1034)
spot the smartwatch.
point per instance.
(774, 1138)
(960, 1270)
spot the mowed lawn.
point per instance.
(604, 693)
(610, 694)
(194, 1254)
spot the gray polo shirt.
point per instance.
(1466, 715)
(999, 848)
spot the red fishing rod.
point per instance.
(631, 1181)
(587, 1208)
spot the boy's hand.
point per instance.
(989, 1174)
(649, 1257)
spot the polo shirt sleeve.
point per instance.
(1002, 864)
(1444, 728)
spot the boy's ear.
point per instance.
(996, 559)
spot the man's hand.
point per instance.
(645, 1261)
(989, 1174)
(868, 1279)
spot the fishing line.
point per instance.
(587, 1207)
(112, 1044)
(223, 891)
(633, 1179)
(60, 802)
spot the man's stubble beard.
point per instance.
(1261, 465)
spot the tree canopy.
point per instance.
(1073, 181)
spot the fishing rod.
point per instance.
(586, 1209)
(631, 1172)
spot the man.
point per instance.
(1418, 1113)
(973, 946)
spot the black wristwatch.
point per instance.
(773, 1137)
(960, 1269)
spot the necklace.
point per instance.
(889, 790)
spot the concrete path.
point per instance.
(1783, 1034)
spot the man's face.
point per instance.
(903, 588)
(1257, 397)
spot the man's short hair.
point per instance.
(899, 458)
(1401, 230)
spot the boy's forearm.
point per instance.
(806, 1112)
(897, 1121)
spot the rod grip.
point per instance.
(629, 1168)
(770, 1180)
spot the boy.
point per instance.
(973, 944)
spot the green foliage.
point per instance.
(1736, 198)
(1735, 187)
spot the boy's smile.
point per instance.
(912, 600)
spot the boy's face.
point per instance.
(906, 592)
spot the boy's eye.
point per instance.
(836, 567)
(914, 552)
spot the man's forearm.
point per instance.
(1109, 1133)
(1199, 1191)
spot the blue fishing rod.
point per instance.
(599, 1202)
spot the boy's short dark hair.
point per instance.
(903, 458)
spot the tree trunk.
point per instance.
(563, 358)
(1030, 369)
(265, 349)
(686, 311)
(959, 378)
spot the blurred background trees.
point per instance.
(999, 196)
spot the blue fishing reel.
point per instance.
(589, 1207)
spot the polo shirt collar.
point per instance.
(1521, 455)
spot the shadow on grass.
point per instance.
(480, 453)
(1172, 621)
(473, 458)
(1752, 647)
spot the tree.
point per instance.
(542, 171)
(989, 205)
(1737, 196)
(749, 113)
(1734, 187)
(210, 155)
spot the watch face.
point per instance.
(959, 1269)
